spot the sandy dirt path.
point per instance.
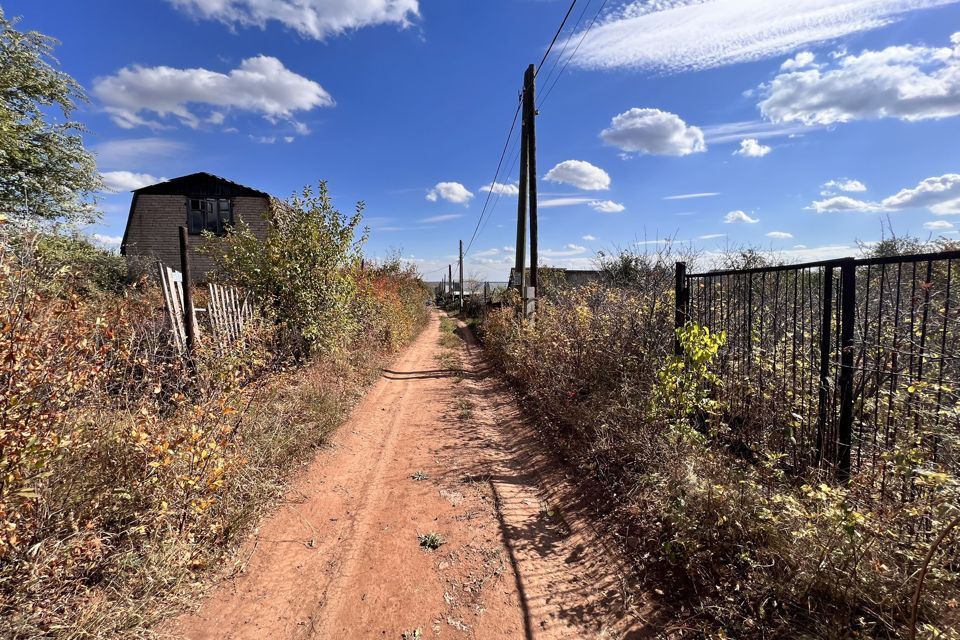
(436, 446)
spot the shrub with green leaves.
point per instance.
(303, 272)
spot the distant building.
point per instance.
(199, 201)
(549, 275)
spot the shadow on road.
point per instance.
(552, 524)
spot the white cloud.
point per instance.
(502, 188)
(119, 153)
(580, 174)
(756, 129)
(442, 218)
(264, 139)
(107, 241)
(711, 236)
(288, 139)
(844, 203)
(779, 235)
(568, 250)
(681, 35)
(487, 253)
(799, 61)
(127, 180)
(750, 148)
(689, 196)
(851, 186)
(905, 82)
(940, 195)
(588, 238)
(607, 206)
(561, 202)
(739, 216)
(260, 85)
(653, 132)
(317, 19)
(451, 192)
(938, 225)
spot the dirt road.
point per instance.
(436, 447)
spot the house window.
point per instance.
(209, 214)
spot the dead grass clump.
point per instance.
(747, 549)
(123, 478)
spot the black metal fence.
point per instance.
(848, 366)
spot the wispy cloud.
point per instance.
(441, 218)
(688, 35)
(135, 152)
(689, 196)
(756, 129)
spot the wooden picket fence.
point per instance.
(229, 311)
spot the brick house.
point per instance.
(199, 201)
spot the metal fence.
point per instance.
(848, 366)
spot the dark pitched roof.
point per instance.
(201, 184)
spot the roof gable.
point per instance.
(201, 185)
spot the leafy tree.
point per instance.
(45, 173)
(303, 270)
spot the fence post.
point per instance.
(190, 328)
(680, 300)
(826, 325)
(848, 307)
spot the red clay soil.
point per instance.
(429, 450)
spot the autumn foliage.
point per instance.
(122, 475)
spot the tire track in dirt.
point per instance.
(340, 558)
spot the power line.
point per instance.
(555, 36)
(513, 124)
(493, 185)
(573, 54)
(566, 43)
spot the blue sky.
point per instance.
(808, 123)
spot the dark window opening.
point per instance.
(209, 214)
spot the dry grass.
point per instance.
(126, 480)
(744, 549)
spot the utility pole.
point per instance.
(461, 276)
(529, 103)
(521, 260)
(450, 276)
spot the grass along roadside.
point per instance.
(280, 424)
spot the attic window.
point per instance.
(209, 214)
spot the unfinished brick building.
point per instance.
(199, 201)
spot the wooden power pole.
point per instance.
(527, 197)
(530, 109)
(461, 276)
(450, 277)
(520, 262)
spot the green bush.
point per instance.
(65, 257)
(303, 272)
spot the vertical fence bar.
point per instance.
(680, 300)
(848, 307)
(188, 317)
(826, 322)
